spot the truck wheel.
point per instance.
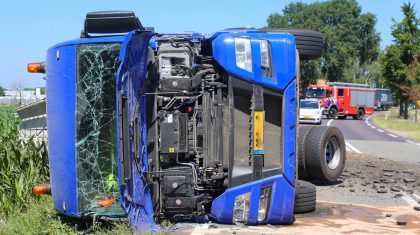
(325, 154)
(360, 114)
(332, 113)
(302, 139)
(309, 43)
(305, 197)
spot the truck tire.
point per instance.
(332, 113)
(309, 43)
(305, 197)
(360, 114)
(325, 154)
(302, 139)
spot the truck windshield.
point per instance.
(314, 93)
(308, 104)
(95, 126)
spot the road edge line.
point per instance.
(329, 122)
(352, 147)
(409, 199)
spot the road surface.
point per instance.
(364, 137)
(371, 153)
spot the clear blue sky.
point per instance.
(28, 28)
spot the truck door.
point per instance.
(132, 133)
(341, 101)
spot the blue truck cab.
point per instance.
(178, 126)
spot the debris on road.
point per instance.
(338, 218)
(373, 181)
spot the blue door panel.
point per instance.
(61, 104)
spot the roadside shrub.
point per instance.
(22, 164)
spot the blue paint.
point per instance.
(61, 110)
(135, 194)
(289, 130)
(283, 58)
(281, 202)
(61, 106)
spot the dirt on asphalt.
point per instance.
(329, 218)
(373, 181)
(367, 199)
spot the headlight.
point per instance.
(265, 197)
(243, 53)
(241, 208)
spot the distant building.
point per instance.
(27, 96)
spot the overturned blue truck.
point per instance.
(183, 126)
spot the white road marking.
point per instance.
(369, 124)
(417, 196)
(352, 148)
(329, 122)
(418, 144)
(380, 130)
(409, 199)
(392, 135)
(372, 127)
(348, 150)
(409, 141)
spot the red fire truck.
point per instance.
(341, 99)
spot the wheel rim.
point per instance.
(332, 153)
(360, 114)
(333, 113)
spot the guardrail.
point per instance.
(33, 121)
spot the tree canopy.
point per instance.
(400, 61)
(351, 40)
(2, 92)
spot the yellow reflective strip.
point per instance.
(259, 130)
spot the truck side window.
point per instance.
(265, 52)
(328, 93)
(340, 92)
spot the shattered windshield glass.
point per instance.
(97, 182)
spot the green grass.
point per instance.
(42, 218)
(391, 121)
(23, 164)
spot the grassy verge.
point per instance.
(42, 218)
(22, 165)
(391, 121)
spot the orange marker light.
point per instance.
(105, 201)
(36, 67)
(40, 189)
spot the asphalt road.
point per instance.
(363, 137)
(369, 145)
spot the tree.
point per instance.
(18, 87)
(2, 91)
(350, 38)
(400, 61)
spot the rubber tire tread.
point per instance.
(314, 155)
(305, 197)
(309, 43)
(303, 133)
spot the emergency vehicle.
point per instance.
(341, 99)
